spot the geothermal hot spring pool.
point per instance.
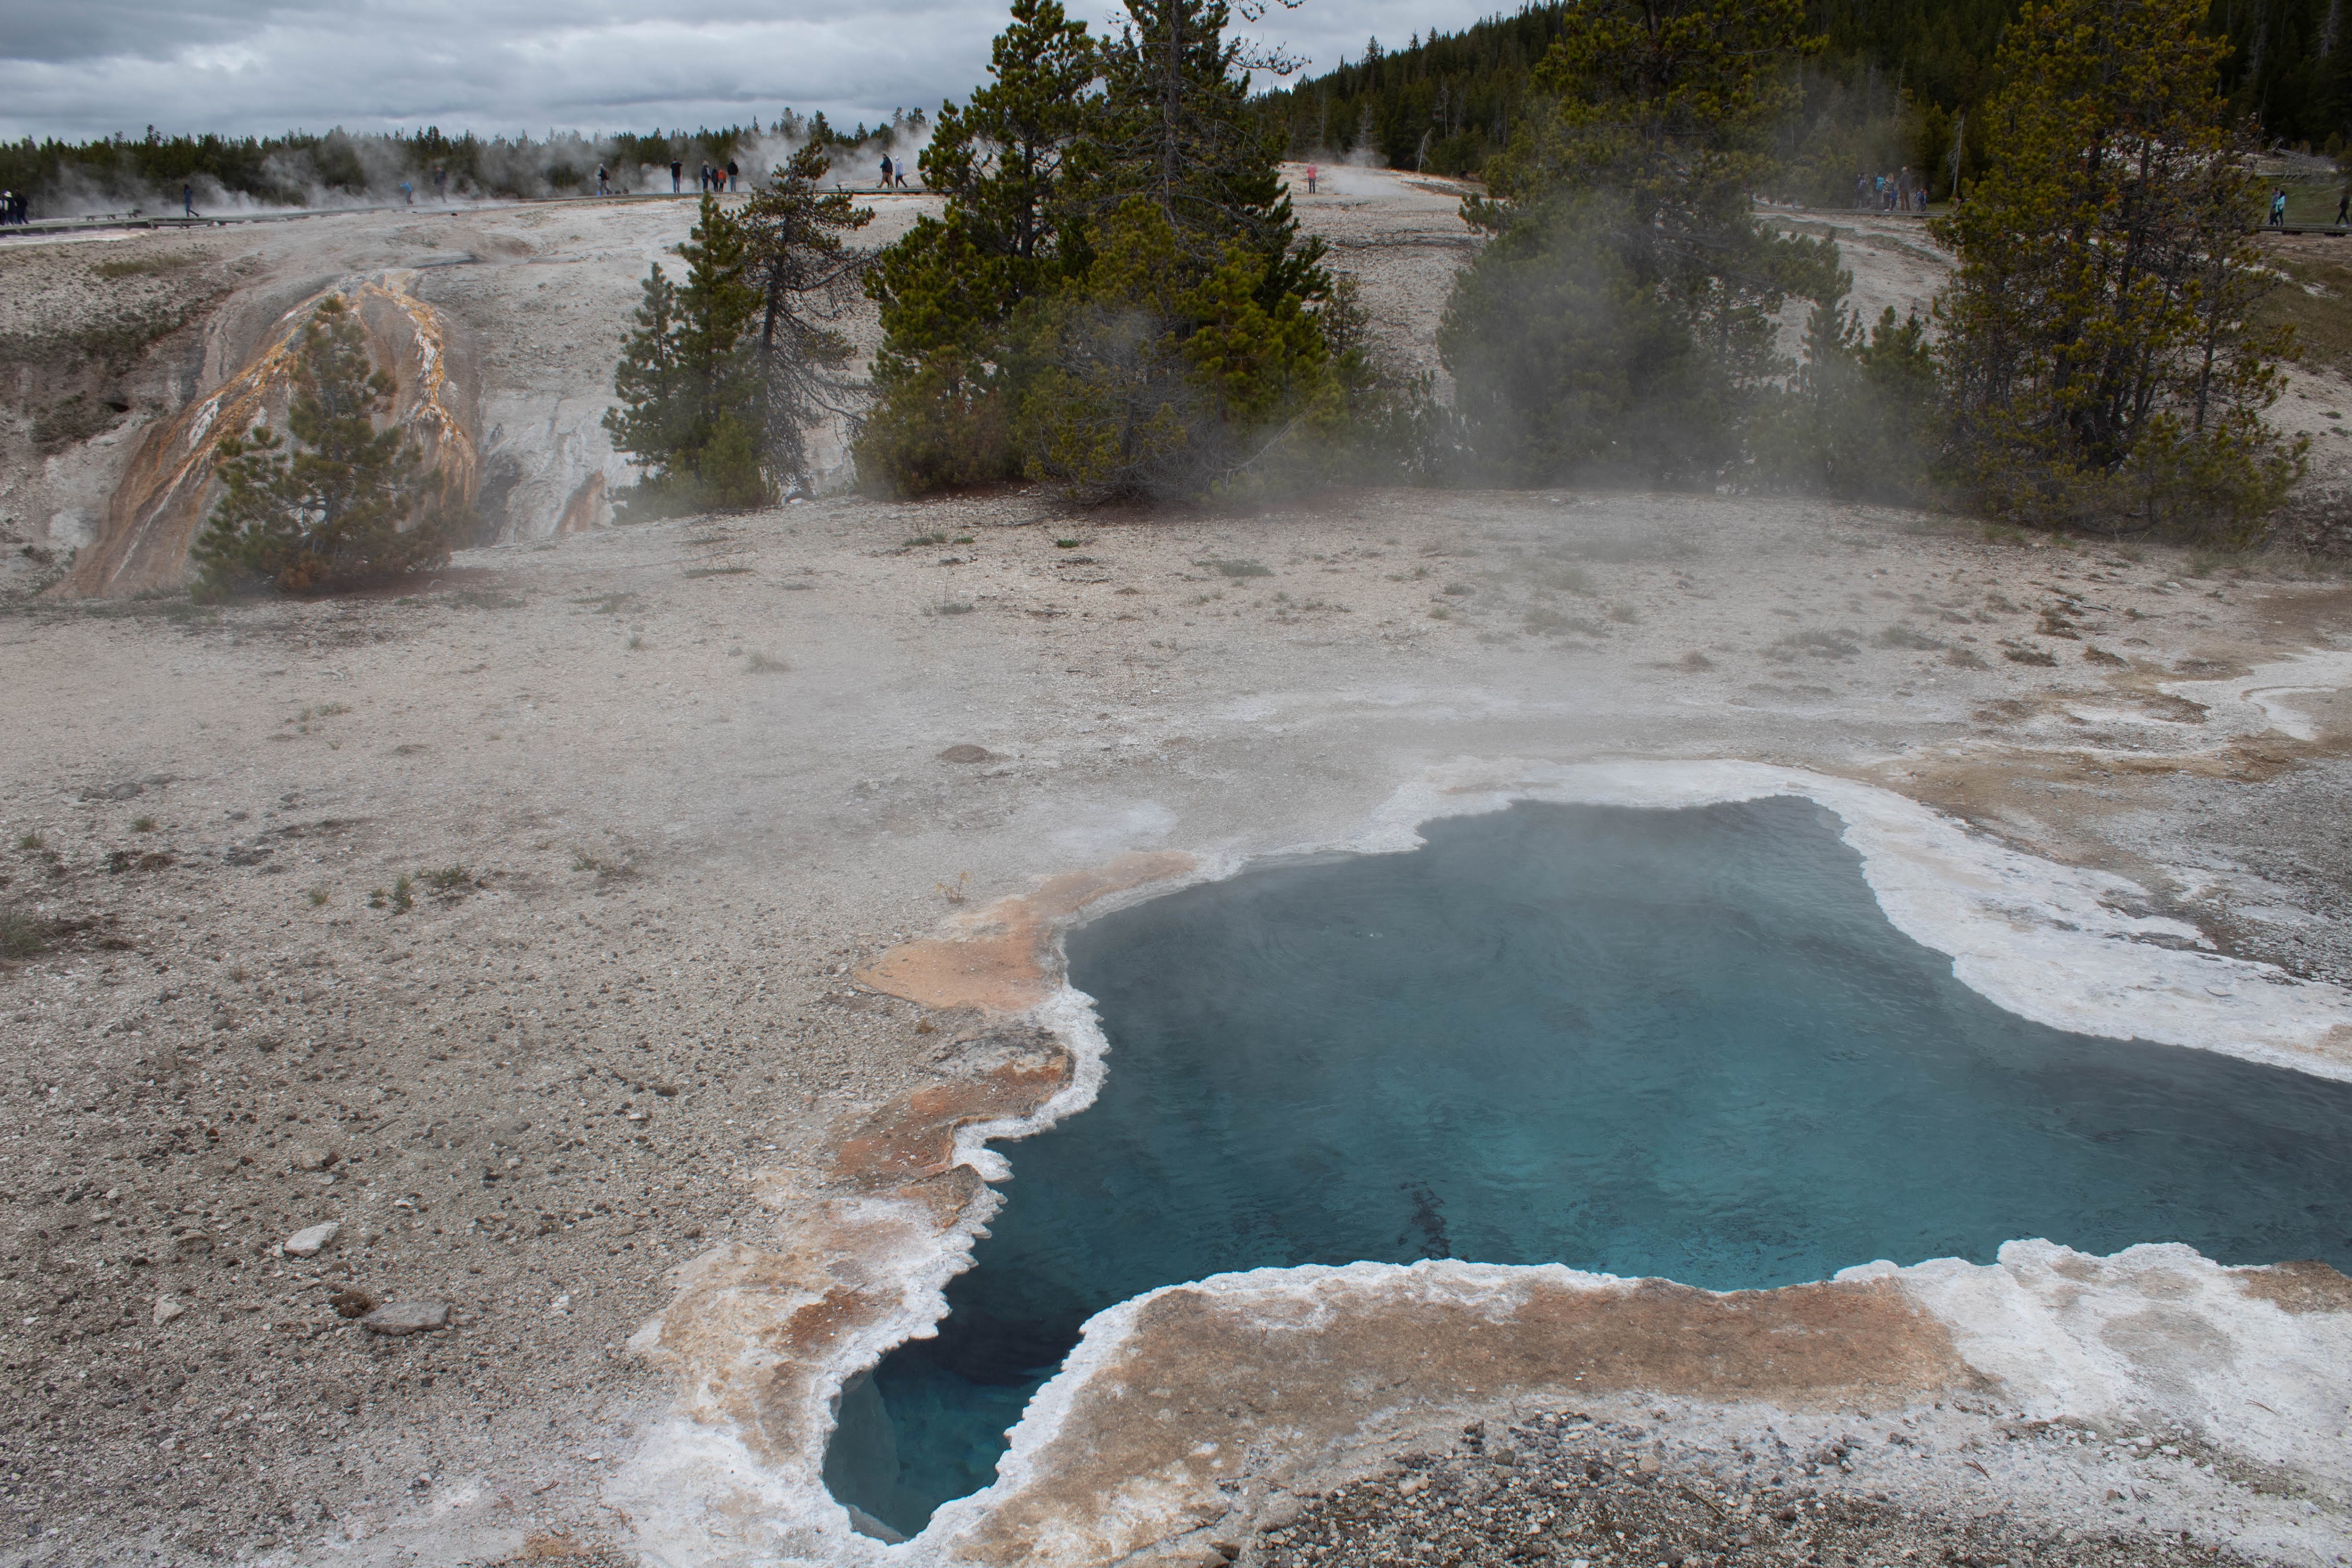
(1682, 1043)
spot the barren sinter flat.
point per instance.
(734, 852)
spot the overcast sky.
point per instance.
(500, 66)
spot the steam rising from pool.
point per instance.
(1677, 1043)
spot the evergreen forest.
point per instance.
(1893, 87)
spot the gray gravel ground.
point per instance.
(1567, 1490)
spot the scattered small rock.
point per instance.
(167, 1309)
(313, 1158)
(309, 1241)
(407, 1318)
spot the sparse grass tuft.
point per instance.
(758, 663)
(955, 608)
(1963, 658)
(403, 895)
(1231, 568)
(635, 642)
(693, 572)
(318, 897)
(1624, 614)
(1548, 621)
(30, 841)
(1066, 544)
(922, 539)
(149, 265)
(143, 825)
(447, 879)
(22, 936)
(1818, 644)
(1900, 636)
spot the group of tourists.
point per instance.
(894, 175)
(710, 182)
(16, 206)
(2342, 208)
(1896, 193)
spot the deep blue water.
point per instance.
(1675, 1042)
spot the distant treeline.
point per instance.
(1445, 105)
(1892, 89)
(299, 169)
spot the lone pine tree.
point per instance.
(345, 505)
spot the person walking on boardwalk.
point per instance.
(885, 171)
(2278, 207)
(602, 189)
(1312, 171)
(677, 173)
(188, 199)
(898, 172)
(731, 172)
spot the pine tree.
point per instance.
(948, 291)
(805, 277)
(650, 421)
(347, 506)
(2102, 364)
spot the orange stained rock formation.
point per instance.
(912, 1139)
(754, 1332)
(161, 503)
(998, 958)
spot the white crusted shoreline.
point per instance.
(2055, 943)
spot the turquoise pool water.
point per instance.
(1675, 1043)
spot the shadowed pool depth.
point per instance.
(1675, 1042)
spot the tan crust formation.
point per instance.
(998, 958)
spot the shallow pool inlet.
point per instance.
(1683, 1042)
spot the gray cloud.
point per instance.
(257, 67)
